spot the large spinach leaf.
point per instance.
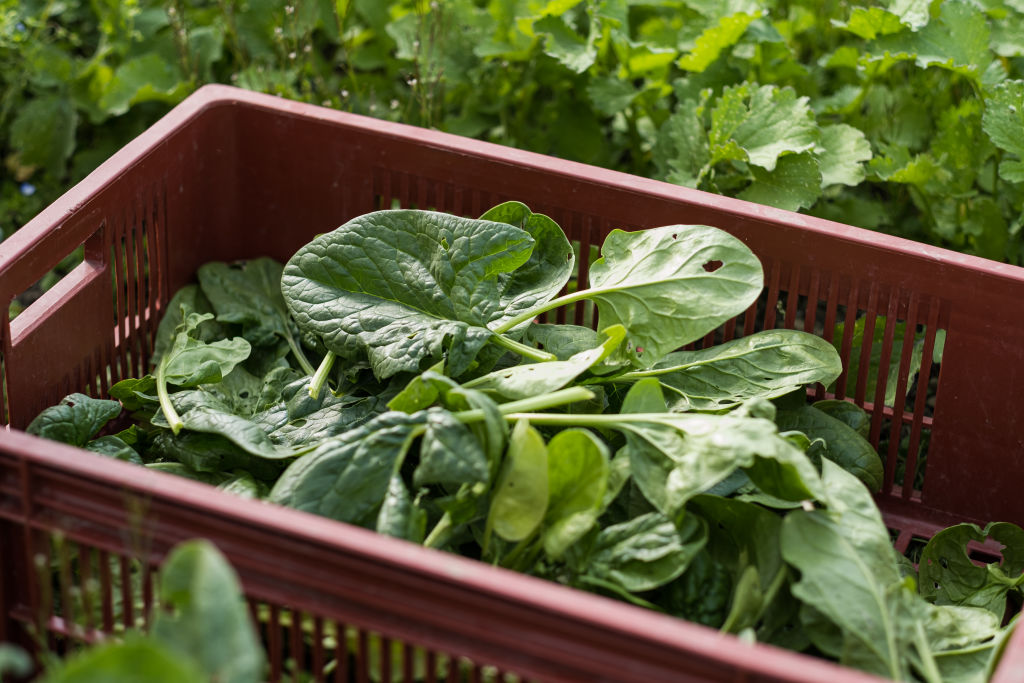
(406, 287)
(667, 286)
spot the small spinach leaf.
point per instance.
(948, 575)
(520, 497)
(75, 420)
(578, 473)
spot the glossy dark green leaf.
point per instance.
(843, 445)
(746, 541)
(450, 453)
(331, 419)
(646, 552)
(855, 417)
(244, 433)
(75, 420)
(703, 593)
(406, 287)
(347, 478)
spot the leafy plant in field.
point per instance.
(398, 381)
(896, 116)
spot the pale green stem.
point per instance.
(441, 532)
(523, 349)
(931, 671)
(296, 350)
(320, 376)
(165, 398)
(542, 402)
(583, 419)
(534, 312)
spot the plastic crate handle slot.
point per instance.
(61, 341)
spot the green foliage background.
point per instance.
(904, 116)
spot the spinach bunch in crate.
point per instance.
(393, 375)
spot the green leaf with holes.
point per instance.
(948, 574)
(669, 286)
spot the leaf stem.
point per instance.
(173, 419)
(296, 350)
(523, 349)
(541, 402)
(511, 560)
(543, 308)
(320, 376)
(440, 533)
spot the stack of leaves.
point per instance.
(696, 482)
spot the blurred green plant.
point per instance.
(902, 115)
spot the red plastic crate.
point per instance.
(230, 174)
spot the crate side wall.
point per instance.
(144, 231)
